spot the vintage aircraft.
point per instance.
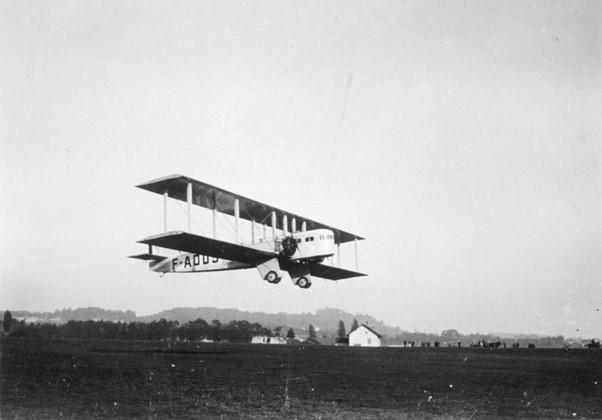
(297, 246)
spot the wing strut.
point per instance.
(273, 225)
(165, 211)
(189, 204)
(214, 210)
(236, 217)
(357, 265)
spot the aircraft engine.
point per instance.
(289, 246)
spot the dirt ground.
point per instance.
(153, 380)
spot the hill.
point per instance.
(61, 316)
(326, 319)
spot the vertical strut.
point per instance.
(357, 265)
(236, 217)
(273, 225)
(214, 217)
(252, 231)
(285, 225)
(294, 225)
(339, 254)
(303, 226)
(165, 211)
(214, 223)
(189, 203)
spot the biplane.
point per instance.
(281, 244)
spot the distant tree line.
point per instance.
(233, 332)
(243, 331)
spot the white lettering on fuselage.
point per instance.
(192, 260)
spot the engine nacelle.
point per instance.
(289, 246)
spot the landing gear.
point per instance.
(272, 277)
(304, 283)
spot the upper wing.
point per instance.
(183, 241)
(211, 197)
(332, 273)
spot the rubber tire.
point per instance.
(272, 277)
(303, 283)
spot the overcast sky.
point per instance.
(462, 139)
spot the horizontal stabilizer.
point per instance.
(332, 273)
(148, 257)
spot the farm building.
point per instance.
(364, 336)
(262, 339)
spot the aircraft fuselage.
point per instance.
(314, 245)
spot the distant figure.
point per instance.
(531, 345)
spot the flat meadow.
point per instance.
(87, 379)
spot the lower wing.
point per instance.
(183, 241)
(329, 272)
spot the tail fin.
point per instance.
(155, 262)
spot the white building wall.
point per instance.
(261, 339)
(363, 337)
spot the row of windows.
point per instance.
(311, 238)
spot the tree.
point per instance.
(341, 330)
(7, 321)
(277, 331)
(312, 332)
(290, 333)
(354, 326)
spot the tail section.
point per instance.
(188, 263)
(148, 257)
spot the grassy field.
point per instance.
(149, 380)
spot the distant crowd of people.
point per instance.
(477, 344)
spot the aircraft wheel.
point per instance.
(272, 277)
(303, 283)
